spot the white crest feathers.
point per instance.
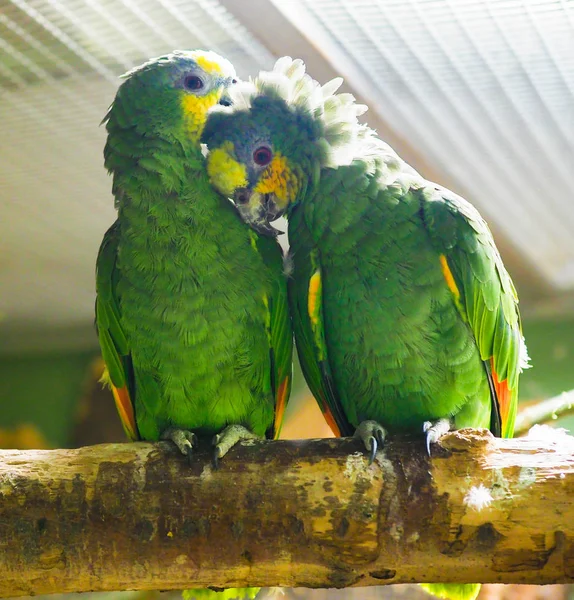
(337, 113)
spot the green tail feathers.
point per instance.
(229, 594)
(453, 591)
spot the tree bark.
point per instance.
(309, 513)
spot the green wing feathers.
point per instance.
(279, 327)
(482, 290)
(116, 351)
(305, 299)
(113, 342)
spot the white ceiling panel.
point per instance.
(480, 91)
(59, 68)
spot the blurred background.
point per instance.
(477, 95)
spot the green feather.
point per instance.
(228, 594)
(191, 305)
(453, 591)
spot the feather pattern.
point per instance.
(191, 314)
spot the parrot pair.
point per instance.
(404, 316)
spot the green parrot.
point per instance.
(191, 310)
(405, 318)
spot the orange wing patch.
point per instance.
(281, 403)
(328, 415)
(126, 411)
(504, 397)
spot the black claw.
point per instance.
(380, 437)
(189, 454)
(373, 453)
(215, 458)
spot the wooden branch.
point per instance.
(309, 513)
(544, 411)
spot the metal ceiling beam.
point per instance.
(284, 30)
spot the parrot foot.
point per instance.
(373, 436)
(224, 441)
(435, 430)
(184, 439)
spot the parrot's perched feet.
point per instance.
(436, 429)
(224, 441)
(373, 436)
(184, 439)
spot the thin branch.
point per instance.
(545, 411)
(310, 513)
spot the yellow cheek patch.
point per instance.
(314, 297)
(225, 173)
(195, 110)
(278, 179)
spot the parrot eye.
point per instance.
(262, 156)
(192, 83)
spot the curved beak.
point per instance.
(225, 99)
(258, 210)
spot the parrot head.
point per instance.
(255, 162)
(171, 95)
(267, 148)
